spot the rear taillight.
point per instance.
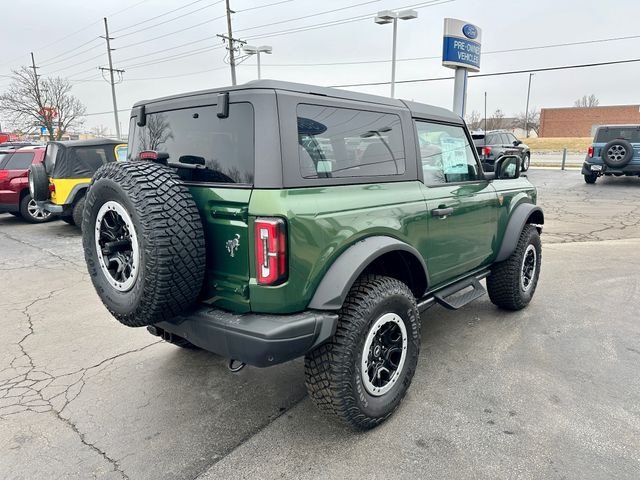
(52, 187)
(271, 251)
(4, 174)
(590, 152)
(486, 151)
(148, 155)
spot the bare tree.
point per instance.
(587, 101)
(496, 121)
(158, 131)
(100, 131)
(532, 122)
(42, 102)
(474, 121)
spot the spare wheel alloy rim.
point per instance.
(384, 354)
(616, 152)
(117, 246)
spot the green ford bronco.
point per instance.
(272, 220)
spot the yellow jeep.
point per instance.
(59, 184)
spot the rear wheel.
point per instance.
(362, 374)
(78, 210)
(526, 162)
(590, 178)
(31, 212)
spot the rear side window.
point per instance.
(605, 135)
(19, 161)
(446, 154)
(225, 146)
(342, 142)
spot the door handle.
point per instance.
(442, 212)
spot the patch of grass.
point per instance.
(572, 144)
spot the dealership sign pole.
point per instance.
(461, 51)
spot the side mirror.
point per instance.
(517, 142)
(508, 167)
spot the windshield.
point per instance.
(630, 134)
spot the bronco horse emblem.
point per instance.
(232, 245)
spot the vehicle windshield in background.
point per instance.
(630, 134)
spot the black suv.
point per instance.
(495, 144)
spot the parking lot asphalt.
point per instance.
(549, 392)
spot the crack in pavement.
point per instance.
(79, 268)
(29, 388)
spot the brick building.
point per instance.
(581, 121)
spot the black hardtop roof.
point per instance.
(93, 142)
(417, 109)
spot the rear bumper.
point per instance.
(257, 339)
(52, 207)
(630, 169)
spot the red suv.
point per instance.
(14, 183)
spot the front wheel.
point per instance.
(512, 283)
(591, 178)
(362, 374)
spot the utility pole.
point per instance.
(112, 81)
(526, 113)
(36, 76)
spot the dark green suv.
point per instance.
(272, 220)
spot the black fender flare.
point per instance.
(517, 221)
(335, 286)
(77, 192)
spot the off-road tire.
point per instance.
(590, 178)
(170, 241)
(68, 219)
(26, 216)
(503, 283)
(332, 371)
(78, 210)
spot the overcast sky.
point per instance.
(507, 24)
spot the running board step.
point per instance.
(459, 294)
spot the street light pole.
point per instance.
(251, 50)
(393, 57)
(526, 113)
(390, 16)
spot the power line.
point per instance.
(437, 57)
(175, 32)
(286, 32)
(494, 74)
(55, 42)
(307, 16)
(48, 61)
(332, 23)
(169, 20)
(264, 6)
(158, 16)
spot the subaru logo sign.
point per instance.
(470, 31)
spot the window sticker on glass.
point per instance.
(454, 158)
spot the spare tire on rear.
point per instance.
(617, 153)
(38, 182)
(143, 242)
